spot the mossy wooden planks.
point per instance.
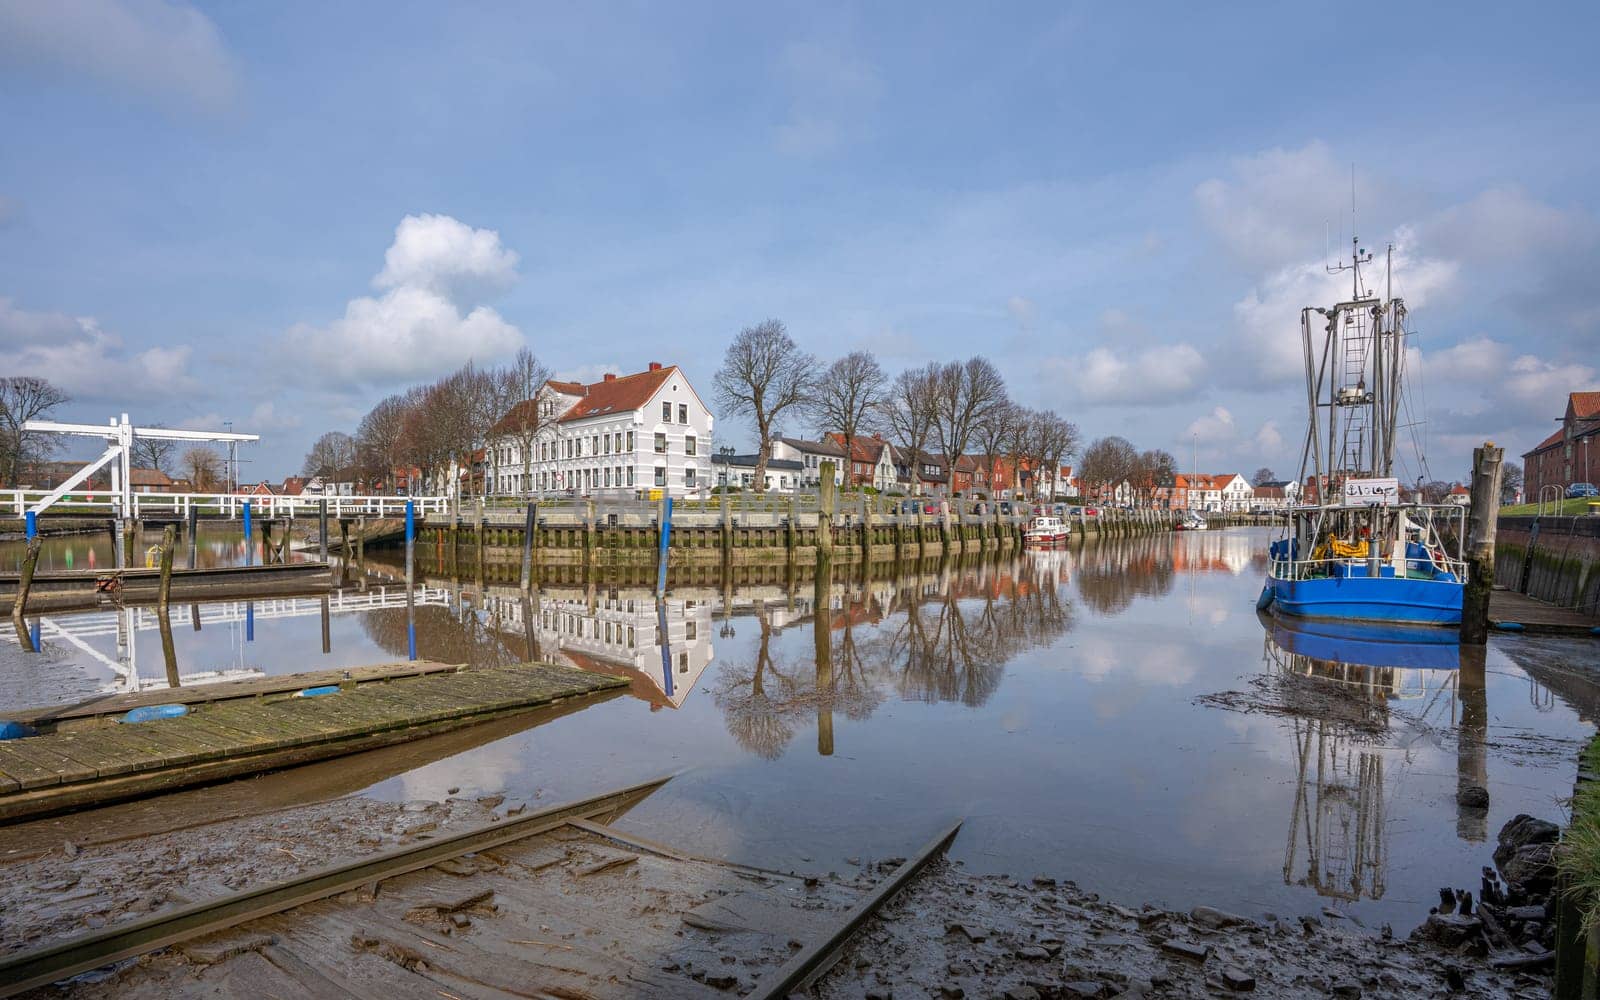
(242, 736)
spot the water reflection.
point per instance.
(1345, 688)
(1126, 679)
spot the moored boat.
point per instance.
(1045, 530)
(1358, 551)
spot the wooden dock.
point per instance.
(229, 738)
(103, 710)
(78, 590)
(1510, 607)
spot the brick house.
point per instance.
(1570, 454)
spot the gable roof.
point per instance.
(1584, 405)
(618, 395)
(148, 477)
(567, 388)
(817, 447)
(863, 449)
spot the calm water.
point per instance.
(1117, 715)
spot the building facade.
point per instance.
(1571, 454)
(626, 435)
(811, 455)
(739, 471)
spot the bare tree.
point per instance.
(764, 374)
(24, 398)
(529, 413)
(966, 394)
(849, 397)
(153, 453)
(332, 456)
(1510, 482)
(1263, 475)
(994, 437)
(1108, 461)
(1152, 469)
(1057, 442)
(380, 438)
(910, 412)
(202, 466)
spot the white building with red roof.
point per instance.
(620, 436)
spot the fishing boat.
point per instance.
(1044, 531)
(1357, 550)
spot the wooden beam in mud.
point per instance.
(810, 962)
(41, 966)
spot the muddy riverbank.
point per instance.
(950, 934)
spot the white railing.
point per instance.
(231, 505)
(106, 623)
(1358, 566)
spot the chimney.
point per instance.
(655, 366)
(611, 376)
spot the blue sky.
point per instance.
(1124, 206)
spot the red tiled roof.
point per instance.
(148, 477)
(863, 449)
(1584, 404)
(567, 388)
(625, 392)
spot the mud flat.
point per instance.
(575, 912)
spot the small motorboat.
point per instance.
(1045, 530)
(1192, 522)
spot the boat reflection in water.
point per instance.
(1352, 693)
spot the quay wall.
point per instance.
(1553, 559)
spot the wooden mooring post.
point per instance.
(530, 528)
(1484, 513)
(30, 561)
(169, 541)
(827, 498)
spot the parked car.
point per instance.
(1577, 490)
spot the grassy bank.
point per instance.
(1577, 506)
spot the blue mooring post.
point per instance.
(31, 522)
(411, 535)
(666, 538)
(249, 553)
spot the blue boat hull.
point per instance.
(1370, 599)
(1368, 644)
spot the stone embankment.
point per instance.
(1552, 559)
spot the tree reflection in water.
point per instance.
(952, 629)
(1111, 576)
(758, 722)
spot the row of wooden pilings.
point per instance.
(844, 527)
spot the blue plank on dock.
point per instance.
(70, 769)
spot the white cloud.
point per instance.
(422, 324)
(1022, 311)
(1215, 428)
(1160, 374)
(1268, 439)
(262, 418)
(1274, 205)
(832, 93)
(1268, 316)
(91, 365)
(449, 258)
(164, 49)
